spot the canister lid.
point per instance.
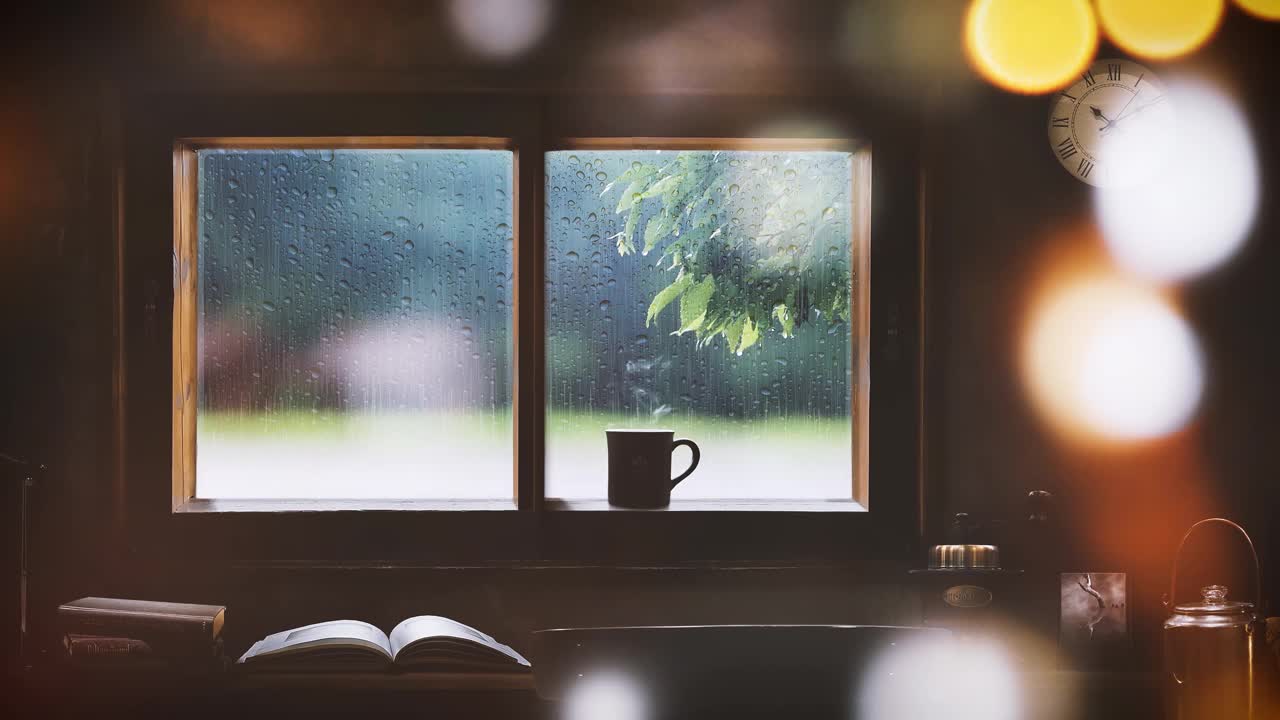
(1214, 602)
(964, 557)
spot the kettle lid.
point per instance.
(1214, 602)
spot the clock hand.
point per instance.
(1126, 107)
(1098, 115)
(1132, 98)
(1139, 109)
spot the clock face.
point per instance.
(1113, 127)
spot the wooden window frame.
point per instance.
(320, 532)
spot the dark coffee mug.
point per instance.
(640, 467)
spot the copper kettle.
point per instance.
(1212, 646)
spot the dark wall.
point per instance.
(999, 207)
(1003, 214)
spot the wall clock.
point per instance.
(1114, 126)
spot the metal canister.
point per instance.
(1212, 645)
(964, 557)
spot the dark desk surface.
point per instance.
(64, 692)
(239, 695)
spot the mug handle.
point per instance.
(696, 456)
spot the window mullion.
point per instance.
(530, 394)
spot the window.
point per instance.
(367, 459)
(350, 324)
(716, 291)
(353, 321)
(348, 330)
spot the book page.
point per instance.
(421, 627)
(333, 634)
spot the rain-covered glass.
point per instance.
(709, 293)
(354, 324)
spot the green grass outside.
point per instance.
(560, 424)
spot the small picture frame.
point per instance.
(1093, 619)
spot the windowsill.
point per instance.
(214, 505)
(217, 505)
(711, 505)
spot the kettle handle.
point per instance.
(1172, 599)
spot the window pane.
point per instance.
(355, 324)
(709, 293)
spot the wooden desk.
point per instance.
(60, 692)
(243, 696)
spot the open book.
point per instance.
(426, 642)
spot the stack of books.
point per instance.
(138, 635)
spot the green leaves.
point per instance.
(693, 305)
(626, 245)
(741, 334)
(666, 296)
(632, 195)
(665, 184)
(733, 332)
(750, 335)
(783, 314)
(755, 252)
(658, 228)
(629, 197)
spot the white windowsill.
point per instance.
(711, 505)
(219, 505)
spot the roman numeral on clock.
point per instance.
(1060, 122)
(1113, 72)
(1088, 78)
(1066, 148)
(1084, 168)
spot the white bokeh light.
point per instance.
(1140, 374)
(606, 695)
(1196, 211)
(500, 28)
(954, 678)
(1112, 360)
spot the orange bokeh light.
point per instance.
(1106, 360)
(1030, 46)
(1264, 9)
(1160, 29)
